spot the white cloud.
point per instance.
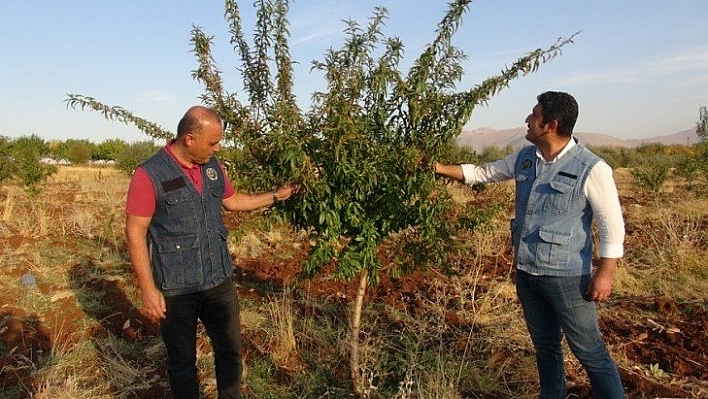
(317, 35)
(315, 21)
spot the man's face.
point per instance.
(205, 143)
(536, 127)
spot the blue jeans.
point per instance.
(218, 309)
(554, 306)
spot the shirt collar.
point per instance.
(571, 144)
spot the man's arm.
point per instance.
(249, 202)
(496, 171)
(450, 171)
(602, 195)
(136, 228)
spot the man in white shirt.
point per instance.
(560, 188)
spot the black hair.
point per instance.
(561, 107)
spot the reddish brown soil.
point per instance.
(647, 330)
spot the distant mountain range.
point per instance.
(478, 139)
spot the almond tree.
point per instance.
(364, 149)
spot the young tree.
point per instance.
(702, 131)
(6, 166)
(75, 151)
(108, 150)
(131, 155)
(702, 124)
(26, 153)
(363, 151)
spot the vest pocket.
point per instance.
(558, 199)
(179, 257)
(217, 190)
(180, 212)
(552, 248)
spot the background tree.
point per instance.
(75, 151)
(131, 155)
(109, 150)
(6, 167)
(363, 151)
(702, 124)
(651, 165)
(26, 153)
(702, 131)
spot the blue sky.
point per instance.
(638, 69)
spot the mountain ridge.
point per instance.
(480, 138)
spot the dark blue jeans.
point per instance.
(218, 310)
(554, 306)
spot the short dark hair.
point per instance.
(561, 107)
(194, 119)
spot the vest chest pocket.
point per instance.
(179, 257)
(218, 190)
(558, 198)
(179, 210)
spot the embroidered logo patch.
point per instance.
(526, 164)
(211, 174)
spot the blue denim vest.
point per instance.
(552, 233)
(187, 237)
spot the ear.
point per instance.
(189, 139)
(553, 125)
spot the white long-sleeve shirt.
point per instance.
(600, 190)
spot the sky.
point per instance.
(638, 68)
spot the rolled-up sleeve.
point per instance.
(496, 171)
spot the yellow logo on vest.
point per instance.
(211, 174)
(526, 164)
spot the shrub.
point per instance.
(616, 157)
(27, 168)
(689, 168)
(652, 173)
(6, 166)
(134, 154)
(109, 150)
(75, 151)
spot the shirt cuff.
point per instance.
(611, 250)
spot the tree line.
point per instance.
(25, 160)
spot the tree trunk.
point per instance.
(354, 337)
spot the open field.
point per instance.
(78, 332)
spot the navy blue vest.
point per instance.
(186, 236)
(552, 232)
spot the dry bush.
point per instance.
(667, 249)
(281, 335)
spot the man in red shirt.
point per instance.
(178, 247)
